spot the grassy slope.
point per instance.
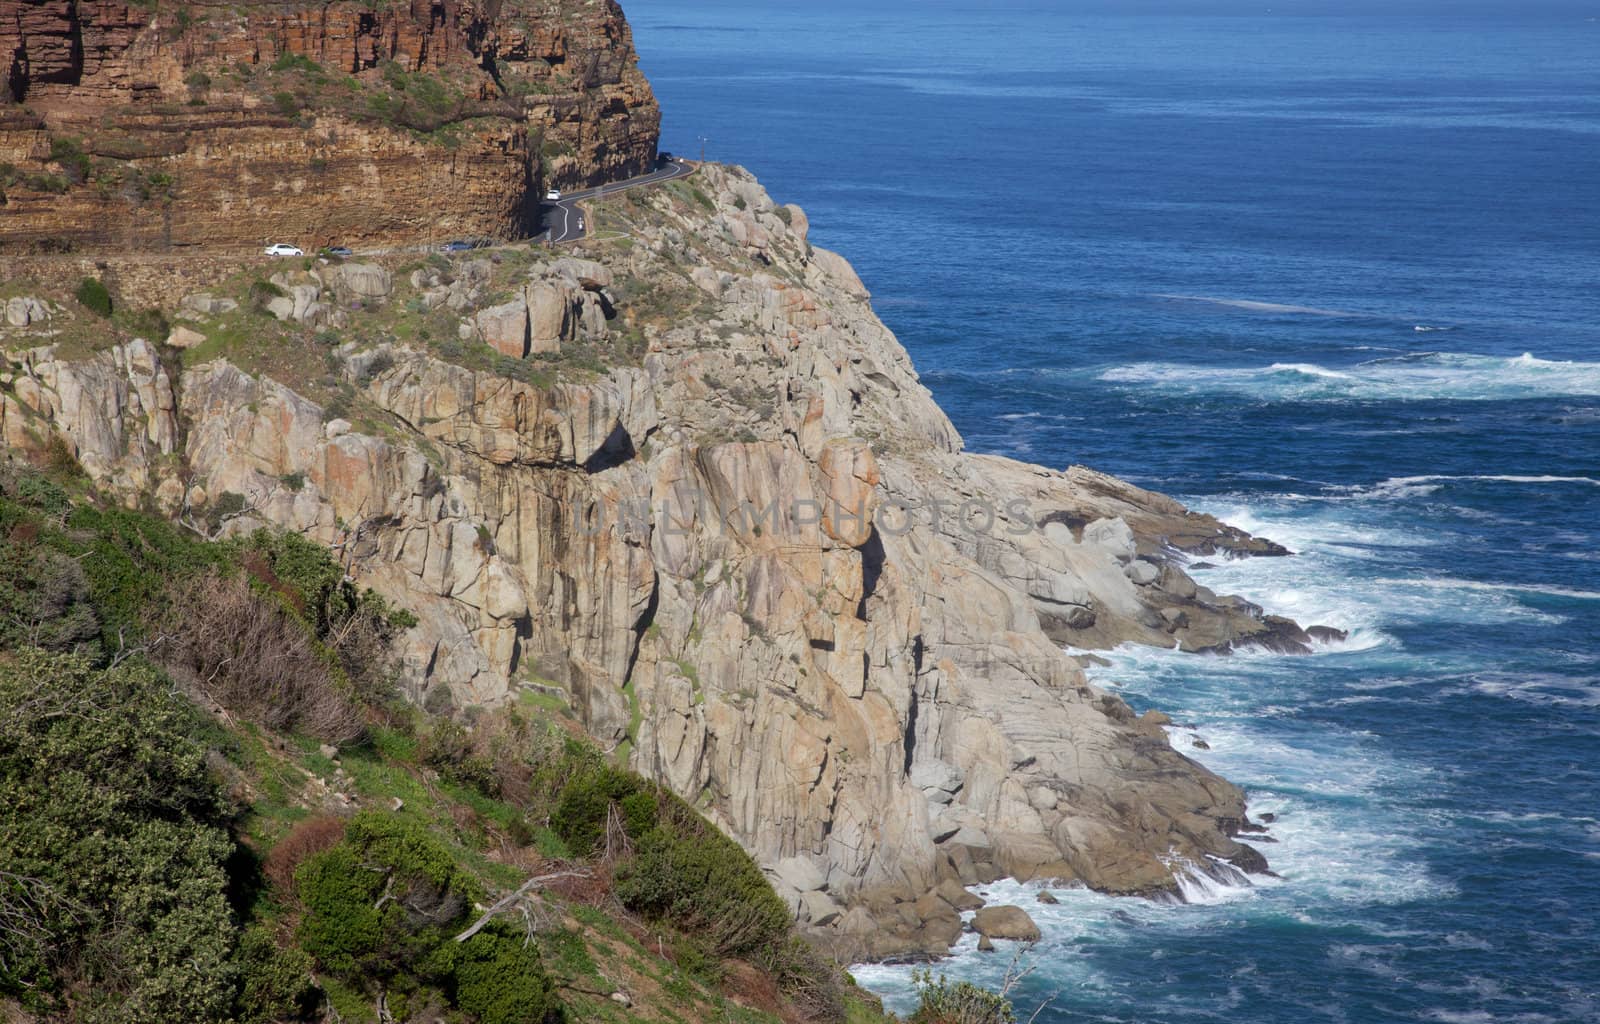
(123, 564)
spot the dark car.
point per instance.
(456, 246)
(338, 250)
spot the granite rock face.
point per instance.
(752, 554)
(148, 126)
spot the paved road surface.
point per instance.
(566, 221)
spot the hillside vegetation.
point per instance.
(218, 809)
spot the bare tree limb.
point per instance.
(508, 902)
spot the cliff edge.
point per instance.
(684, 485)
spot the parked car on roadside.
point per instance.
(282, 249)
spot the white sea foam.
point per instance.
(1348, 834)
(1539, 688)
(1319, 586)
(1421, 377)
(1255, 306)
(1413, 486)
(1310, 370)
(1433, 583)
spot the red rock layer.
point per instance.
(233, 124)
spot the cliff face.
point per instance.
(686, 484)
(233, 124)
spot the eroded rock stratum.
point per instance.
(685, 481)
(242, 122)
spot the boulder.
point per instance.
(1047, 897)
(549, 317)
(585, 274)
(25, 310)
(1114, 534)
(184, 337)
(800, 874)
(1005, 922)
(1141, 572)
(939, 776)
(955, 894)
(208, 305)
(365, 281)
(818, 908)
(505, 328)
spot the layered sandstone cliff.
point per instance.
(685, 481)
(232, 124)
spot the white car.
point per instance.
(554, 195)
(282, 249)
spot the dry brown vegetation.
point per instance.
(229, 646)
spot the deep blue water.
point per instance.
(1197, 252)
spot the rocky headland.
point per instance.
(682, 480)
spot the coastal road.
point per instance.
(566, 221)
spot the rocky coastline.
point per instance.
(682, 480)
(678, 481)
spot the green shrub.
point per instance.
(340, 927)
(92, 295)
(296, 62)
(639, 812)
(116, 831)
(696, 960)
(448, 750)
(274, 983)
(942, 1001)
(686, 872)
(68, 154)
(262, 292)
(381, 901)
(498, 978)
(132, 561)
(582, 810)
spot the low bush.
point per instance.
(68, 154)
(113, 845)
(93, 296)
(449, 749)
(44, 597)
(229, 645)
(583, 810)
(498, 978)
(941, 1001)
(686, 872)
(274, 981)
(307, 839)
(381, 901)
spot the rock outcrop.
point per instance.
(211, 124)
(730, 526)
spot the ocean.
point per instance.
(1336, 280)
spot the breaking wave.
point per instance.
(1254, 306)
(1420, 377)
